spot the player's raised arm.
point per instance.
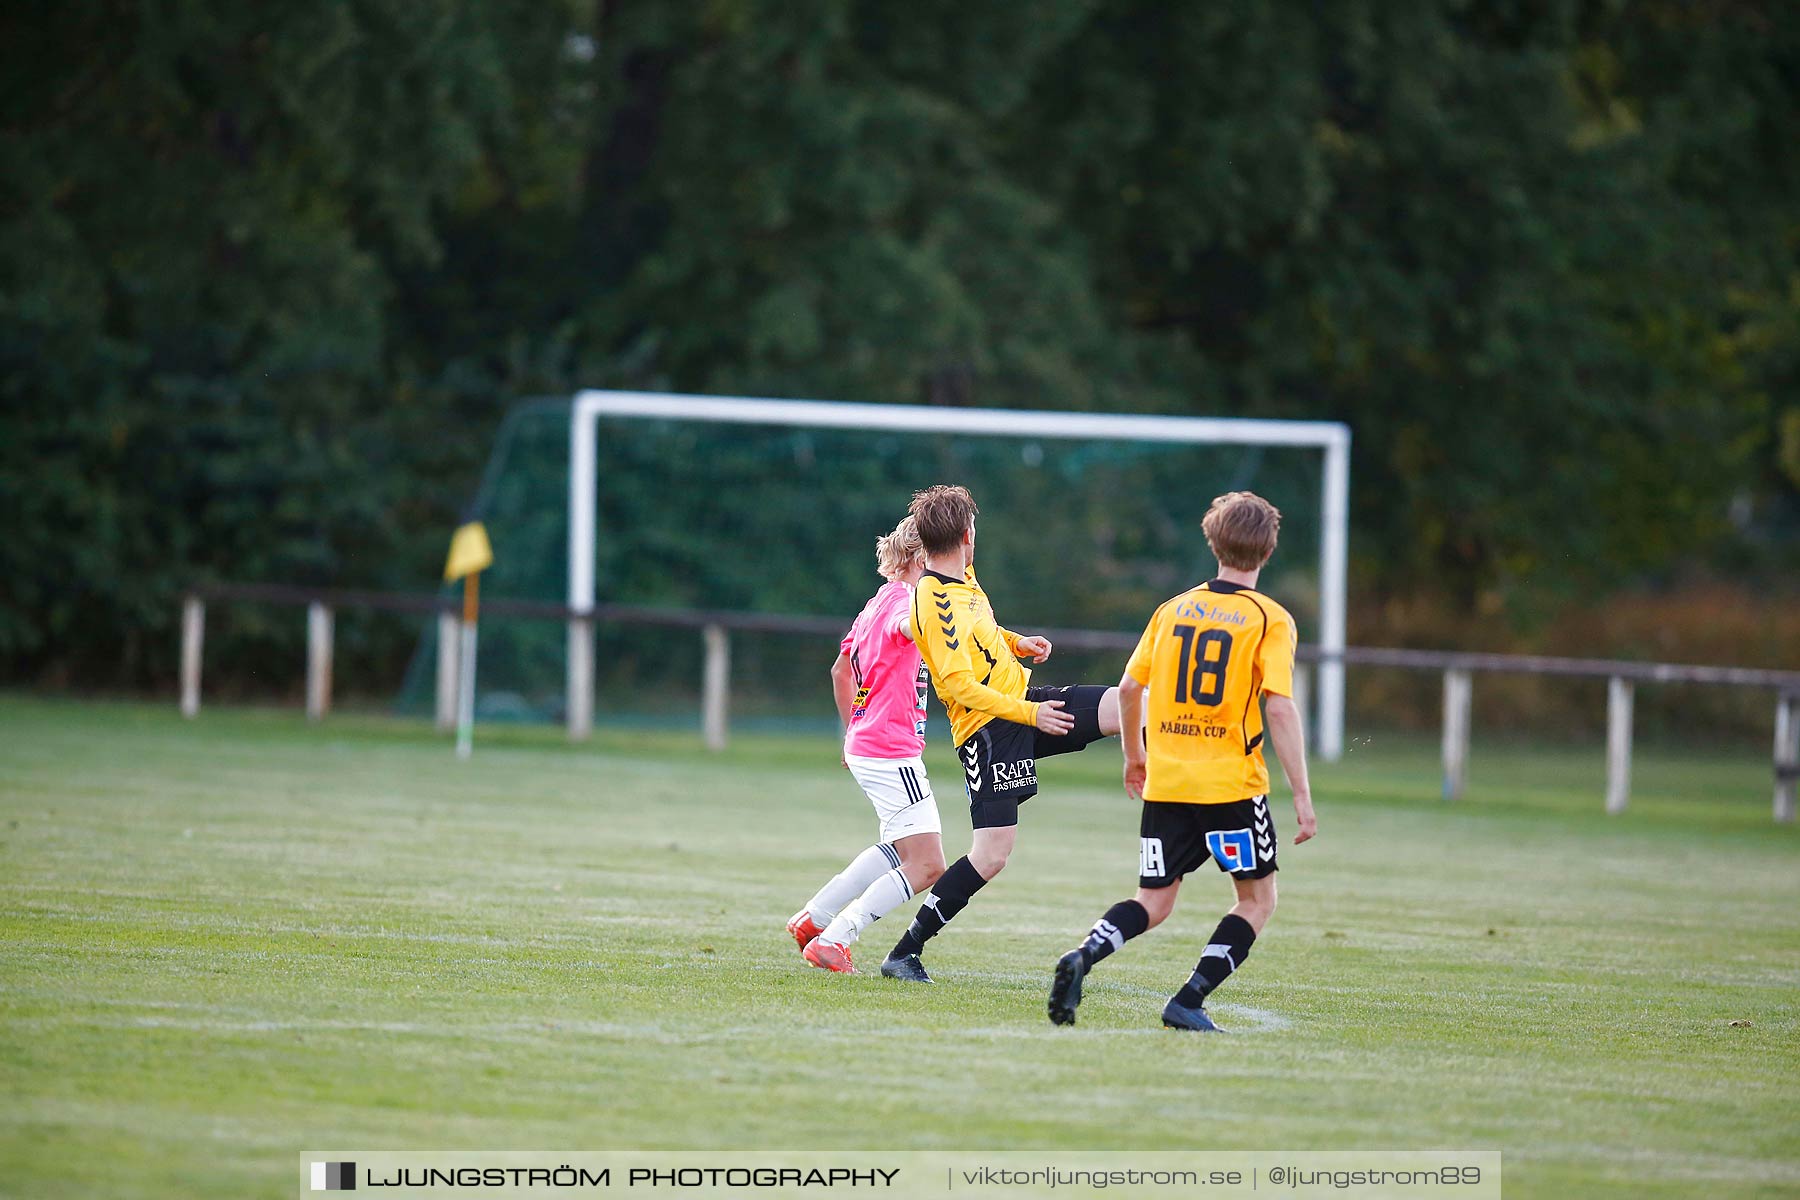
(954, 671)
(1034, 646)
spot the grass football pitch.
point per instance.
(230, 940)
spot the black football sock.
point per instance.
(1122, 922)
(1229, 947)
(949, 896)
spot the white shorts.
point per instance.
(901, 794)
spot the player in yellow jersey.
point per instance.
(1000, 723)
(1205, 660)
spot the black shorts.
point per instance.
(1178, 838)
(999, 760)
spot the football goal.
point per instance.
(1088, 520)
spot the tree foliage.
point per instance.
(270, 275)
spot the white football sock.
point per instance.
(852, 881)
(881, 898)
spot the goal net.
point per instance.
(773, 507)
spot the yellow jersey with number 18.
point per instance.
(1207, 657)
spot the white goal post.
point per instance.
(1329, 436)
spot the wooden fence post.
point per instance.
(1457, 692)
(1787, 755)
(716, 690)
(449, 641)
(319, 623)
(1619, 696)
(193, 638)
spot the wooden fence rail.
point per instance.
(716, 626)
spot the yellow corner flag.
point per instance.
(470, 555)
(469, 552)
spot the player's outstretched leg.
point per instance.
(1122, 922)
(839, 890)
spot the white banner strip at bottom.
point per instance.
(975, 1174)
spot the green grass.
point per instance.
(229, 940)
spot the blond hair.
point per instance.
(896, 551)
(1242, 528)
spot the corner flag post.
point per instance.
(465, 700)
(470, 554)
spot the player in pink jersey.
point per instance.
(879, 682)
